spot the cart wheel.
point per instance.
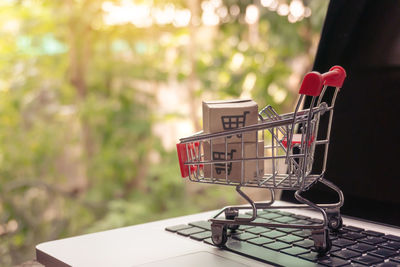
(231, 215)
(322, 242)
(219, 234)
(335, 222)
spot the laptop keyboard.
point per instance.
(352, 246)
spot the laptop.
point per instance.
(363, 37)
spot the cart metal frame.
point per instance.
(289, 138)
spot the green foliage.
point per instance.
(78, 106)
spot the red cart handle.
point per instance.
(334, 77)
(183, 150)
(182, 157)
(313, 81)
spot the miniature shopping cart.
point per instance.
(285, 162)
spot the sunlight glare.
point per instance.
(252, 14)
(209, 18)
(237, 61)
(283, 10)
(182, 18)
(266, 3)
(234, 10)
(164, 16)
(248, 85)
(296, 8)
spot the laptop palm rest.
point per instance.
(197, 259)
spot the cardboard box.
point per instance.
(234, 169)
(225, 115)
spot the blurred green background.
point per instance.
(95, 94)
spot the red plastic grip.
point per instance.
(334, 77)
(313, 81)
(183, 149)
(312, 84)
(182, 157)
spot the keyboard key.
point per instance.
(361, 247)
(201, 236)
(271, 210)
(289, 238)
(306, 243)
(335, 248)
(382, 253)
(258, 230)
(315, 221)
(372, 240)
(341, 232)
(390, 245)
(190, 231)
(312, 256)
(395, 259)
(294, 251)
(332, 261)
(373, 233)
(244, 227)
(301, 222)
(353, 228)
(259, 212)
(202, 224)
(353, 235)
(284, 213)
(367, 260)
(342, 242)
(287, 230)
(247, 215)
(346, 254)
(270, 216)
(260, 240)
(177, 227)
(388, 264)
(277, 245)
(392, 238)
(284, 219)
(333, 237)
(303, 233)
(244, 236)
(262, 220)
(300, 217)
(273, 234)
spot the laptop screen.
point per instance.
(364, 38)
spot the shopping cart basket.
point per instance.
(285, 162)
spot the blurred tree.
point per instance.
(82, 90)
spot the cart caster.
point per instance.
(322, 242)
(231, 215)
(219, 234)
(335, 222)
